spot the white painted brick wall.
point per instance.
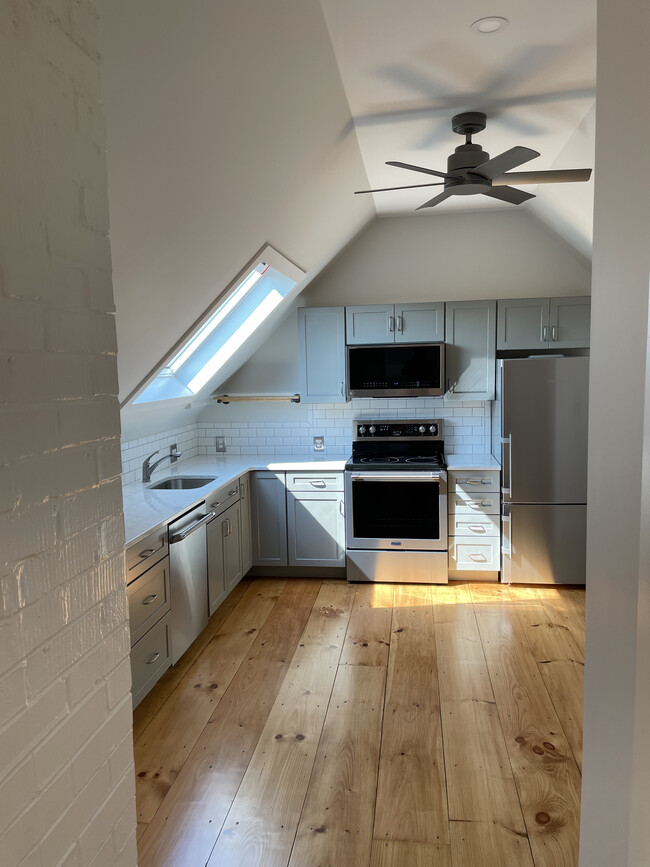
(67, 779)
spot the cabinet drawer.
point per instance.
(150, 657)
(218, 501)
(315, 481)
(479, 555)
(474, 480)
(475, 525)
(148, 599)
(479, 503)
(145, 553)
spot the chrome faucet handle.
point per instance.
(150, 456)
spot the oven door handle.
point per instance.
(397, 477)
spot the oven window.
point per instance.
(396, 510)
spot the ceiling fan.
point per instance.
(470, 169)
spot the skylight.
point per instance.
(224, 328)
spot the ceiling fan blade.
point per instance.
(504, 162)
(411, 187)
(509, 194)
(558, 176)
(426, 171)
(436, 200)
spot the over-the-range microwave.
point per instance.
(396, 370)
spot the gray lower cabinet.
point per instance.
(246, 538)
(474, 505)
(321, 353)
(543, 323)
(149, 611)
(269, 519)
(422, 322)
(470, 350)
(224, 555)
(316, 528)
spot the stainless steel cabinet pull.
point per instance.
(147, 552)
(153, 657)
(554, 332)
(214, 505)
(473, 481)
(342, 390)
(224, 528)
(149, 599)
(476, 528)
(318, 483)
(545, 337)
(478, 558)
(342, 507)
(391, 324)
(229, 522)
(242, 491)
(486, 502)
(232, 493)
(400, 324)
(449, 385)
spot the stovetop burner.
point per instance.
(387, 460)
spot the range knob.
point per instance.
(362, 429)
(433, 428)
(422, 429)
(372, 429)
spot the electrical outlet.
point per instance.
(319, 444)
(220, 444)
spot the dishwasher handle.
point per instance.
(178, 537)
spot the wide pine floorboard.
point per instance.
(320, 723)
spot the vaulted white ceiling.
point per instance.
(408, 67)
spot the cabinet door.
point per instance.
(216, 532)
(315, 529)
(420, 323)
(246, 542)
(269, 519)
(372, 323)
(523, 323)
(321, 340)
(569, 319)
(470, 350)
(232, 547)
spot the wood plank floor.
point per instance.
(334, 725)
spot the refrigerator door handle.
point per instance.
(506, 464)
(506, 533)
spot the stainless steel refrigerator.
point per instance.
(539, 419)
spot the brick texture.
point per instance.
(66, 787)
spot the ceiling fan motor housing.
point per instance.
(465, 158)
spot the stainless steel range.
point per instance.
(396, 502)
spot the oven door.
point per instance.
(395, 511)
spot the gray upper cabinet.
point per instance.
(470, 352)
(543, 323)
(321, 340)
(395, 323)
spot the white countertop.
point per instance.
(146, 509)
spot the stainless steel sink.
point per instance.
(181, 483)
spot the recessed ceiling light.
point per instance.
(490, 24)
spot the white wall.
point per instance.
(443, 257)
(67, 779)
(615, 792)
(228, 128)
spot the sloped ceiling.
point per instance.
(240, 122)
(408, 67)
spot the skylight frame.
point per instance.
(226, 303)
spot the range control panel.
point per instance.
(387, 430)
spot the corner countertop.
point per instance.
(145, 509)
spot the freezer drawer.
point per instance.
(544, 544)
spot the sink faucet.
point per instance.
(148, 468)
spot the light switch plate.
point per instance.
(219, 444)
(319, 444)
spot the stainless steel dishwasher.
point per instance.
(189, 579)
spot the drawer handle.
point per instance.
(153, 657)
(476, 528)
(147, 553)
(486, 502)
(478, 558)
(472, 481)
(319, 483)
(215, 504)
(232, 493)
(149, 599)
